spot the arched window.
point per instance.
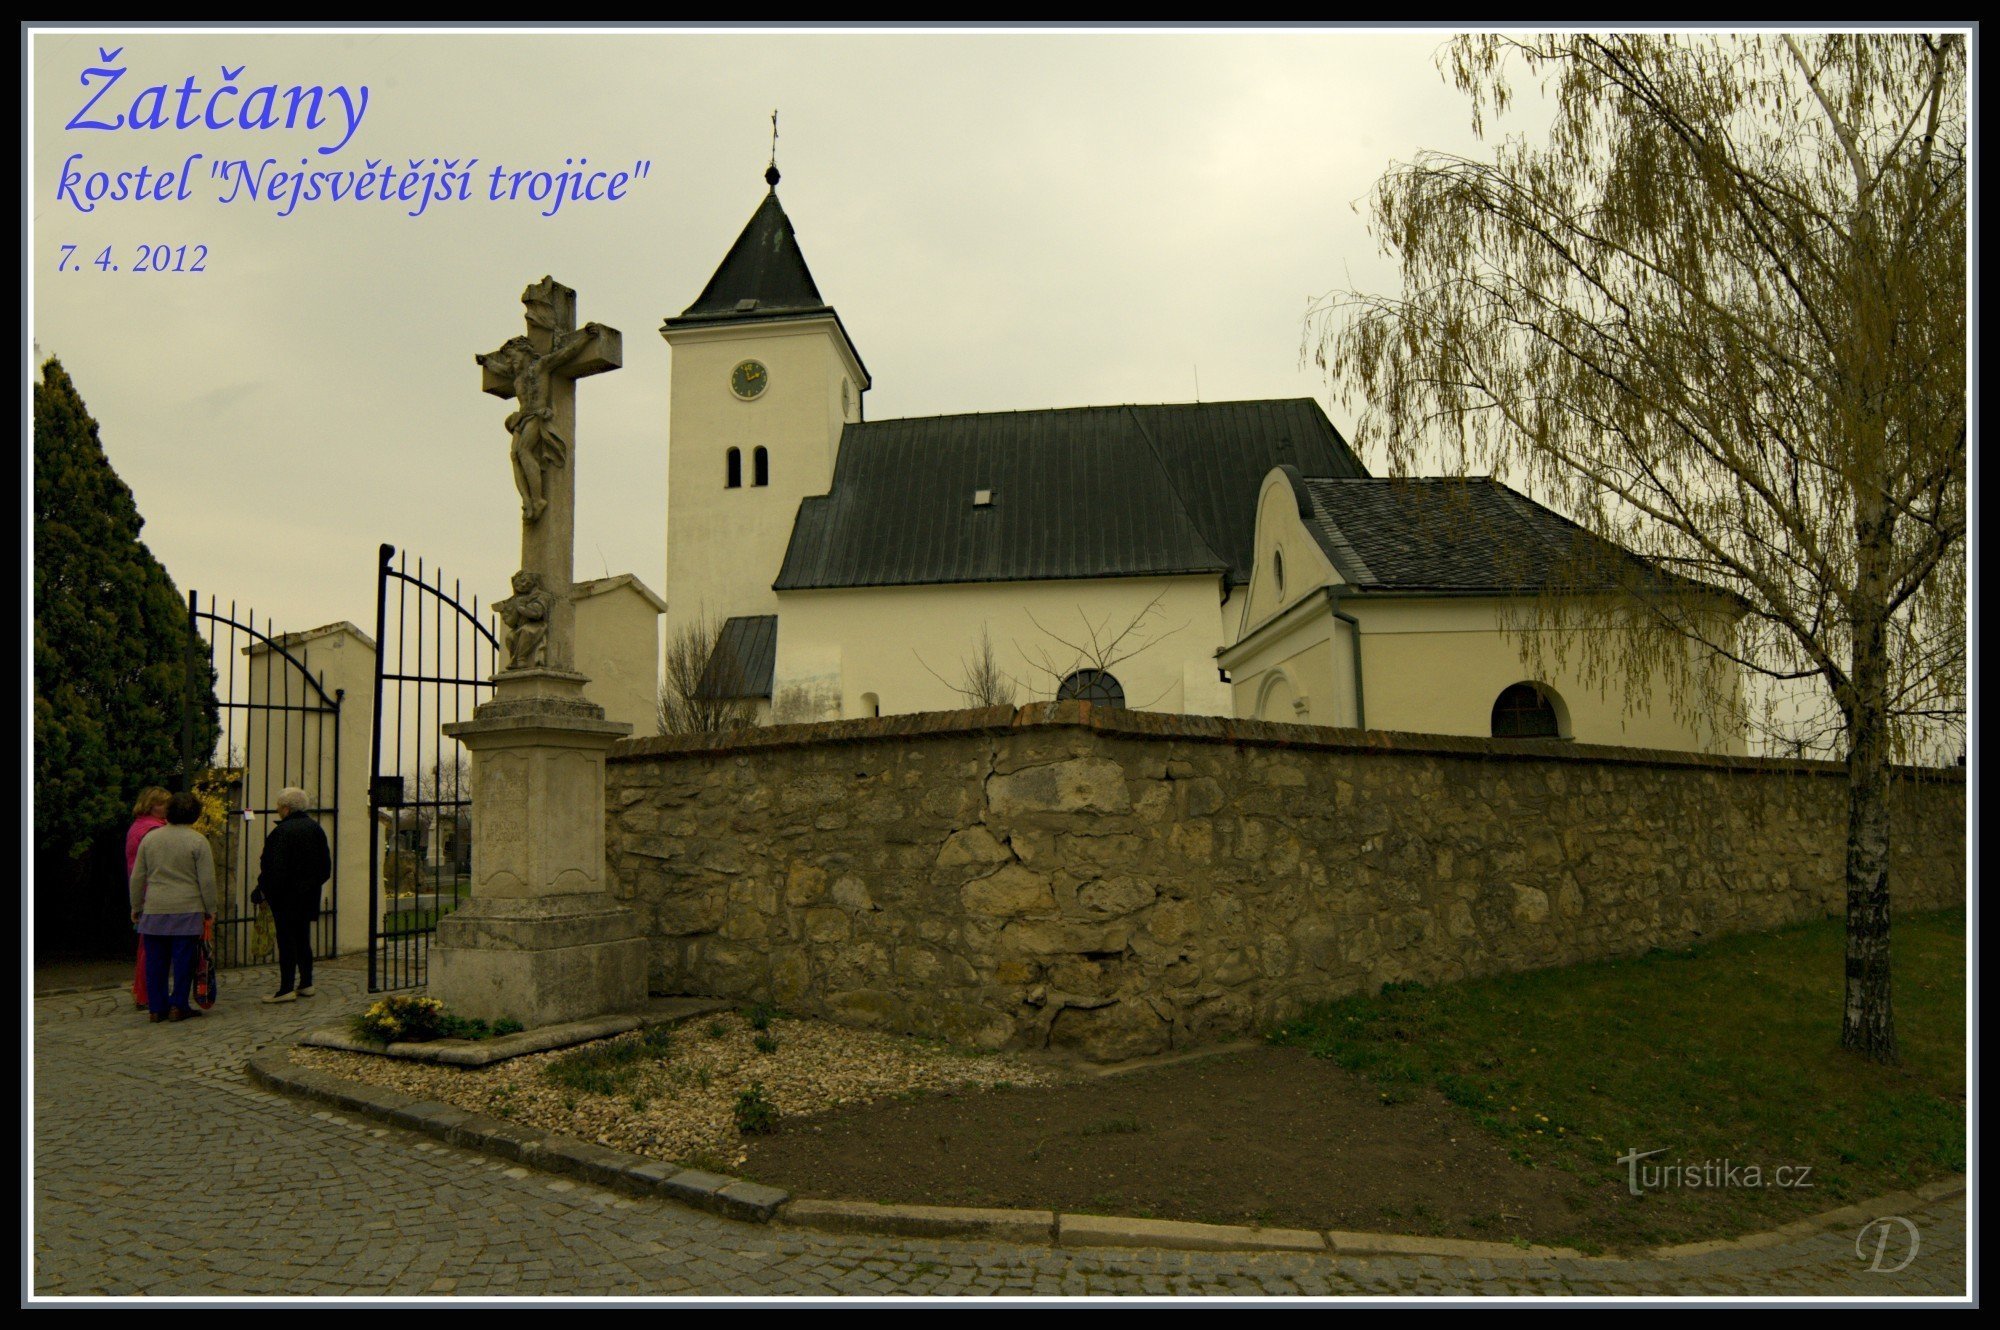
(760, 467)
(1092, 686)
(735, 480)
(1526, 711)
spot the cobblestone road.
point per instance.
(160, 1170)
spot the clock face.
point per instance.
(749, 380)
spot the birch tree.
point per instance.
(1717, 316)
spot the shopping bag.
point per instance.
(204, 967)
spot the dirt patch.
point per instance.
(1271, 1136)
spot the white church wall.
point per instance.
(1310, 656)
(908, 645)
(1437, 666)
(805, 684)
(1203, 689)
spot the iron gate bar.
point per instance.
(236, 920)
(398, 956)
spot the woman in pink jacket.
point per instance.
(148, 812)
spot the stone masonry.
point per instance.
(1123, 883)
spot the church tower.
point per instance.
(764, 378)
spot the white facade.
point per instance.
(886, 650)
(724, 543)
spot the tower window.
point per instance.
(760, 467)
(735, 479)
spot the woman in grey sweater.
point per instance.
(173, 899)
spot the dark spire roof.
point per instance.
(763, 276)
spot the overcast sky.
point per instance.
(1003, 221)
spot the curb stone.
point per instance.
(738, 1198)
(1390, 1244)
(1112, 1231)
(1028, 1227)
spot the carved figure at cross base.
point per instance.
(526, 615)
(537, 444)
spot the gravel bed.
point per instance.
(679, 1105)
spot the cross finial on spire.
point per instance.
(771, 171)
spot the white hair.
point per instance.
(294, 799)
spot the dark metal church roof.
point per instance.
(744, 659)
(1083, 492)
(1466, 536)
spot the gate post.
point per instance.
(352, 668)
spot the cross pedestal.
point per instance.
(542, 940)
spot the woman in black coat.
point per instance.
(295, 864)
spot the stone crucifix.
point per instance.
(539, 371)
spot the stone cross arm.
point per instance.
(603, 349)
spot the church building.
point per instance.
(1215, 558)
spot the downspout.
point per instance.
(1354, 635)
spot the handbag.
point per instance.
(263, 936)
(204, 967)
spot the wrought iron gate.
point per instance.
(280, 727)
(434, 659)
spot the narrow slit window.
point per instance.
(760, 467)
(735, 480)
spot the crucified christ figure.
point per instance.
(537, 445)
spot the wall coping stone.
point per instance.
(1121, 724)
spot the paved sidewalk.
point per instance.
(237, 1191)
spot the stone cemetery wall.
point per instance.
(1122, 883)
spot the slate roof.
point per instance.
(1464, 536)
(1083, 492)
(744, 659)
(764, 267)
